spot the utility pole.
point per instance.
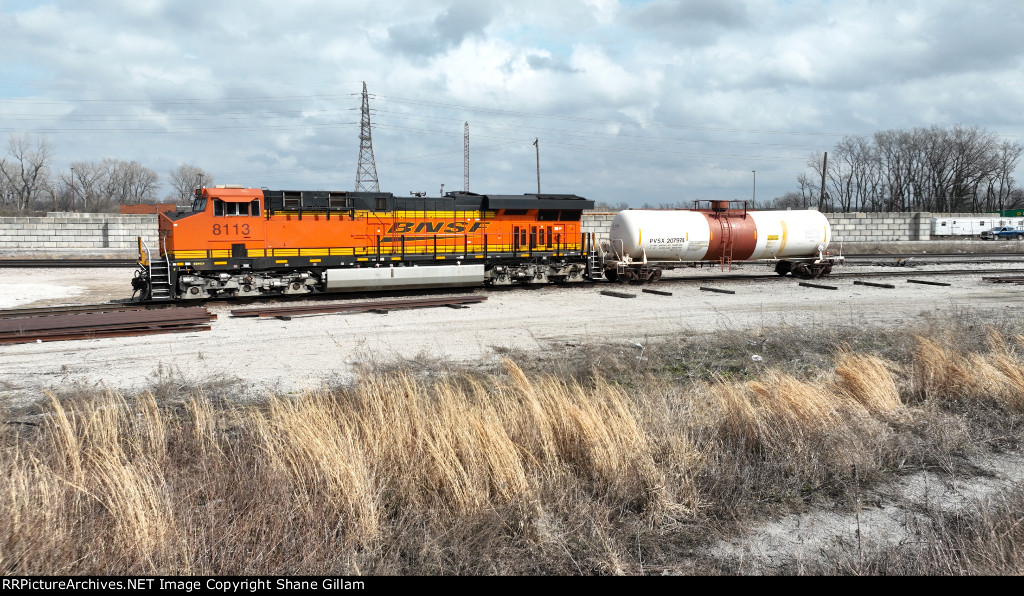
(536, 143)
(366, 170)
(753, 193)
(465, 159)
(73, 197)
(821, 197)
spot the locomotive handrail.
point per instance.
(167, 257)
(143, 245)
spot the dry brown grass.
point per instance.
(947, 373)
(509, 472)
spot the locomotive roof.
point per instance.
(458, 200)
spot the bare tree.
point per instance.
(185, 178)
(25, 171)
(790, 200)
(1000, 188)
(8, 191)
(89, 185)
(931, 169)
(131, 183)
(606, 206)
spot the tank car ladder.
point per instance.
(727, 241)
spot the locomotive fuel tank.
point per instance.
(698, 235)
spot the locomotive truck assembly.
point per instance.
(247, 242)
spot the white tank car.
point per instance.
(689, 236)
(642, 243)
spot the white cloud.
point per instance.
(656, 99)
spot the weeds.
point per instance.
(531, 468)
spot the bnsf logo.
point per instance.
(454, 227)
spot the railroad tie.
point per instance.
(873, 284)
(617, 294)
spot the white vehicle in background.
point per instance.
(972, 226)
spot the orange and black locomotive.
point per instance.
(254, 242)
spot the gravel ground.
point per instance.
(284, 356)
(261, 355)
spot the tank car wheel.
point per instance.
(656, 275)
(783, 267)
(611, 275)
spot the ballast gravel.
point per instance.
(261, 355)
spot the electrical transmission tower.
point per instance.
(366, 171)
(465, 159)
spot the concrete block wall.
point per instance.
(597, 223)
(100, 231)
(77, 231)
(877, 227)
(846, 227)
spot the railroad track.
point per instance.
(851, 258)
(27, 325)
(69, 263)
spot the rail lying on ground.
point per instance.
(377, 306)
(48, 311)
(58, 325)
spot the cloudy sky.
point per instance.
(630, 101)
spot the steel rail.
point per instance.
(103, 324)
(287, 311)
(68, 263)
(48, 311)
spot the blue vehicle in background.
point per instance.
(1004, 233)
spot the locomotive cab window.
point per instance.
(199, 205)
(224, 208)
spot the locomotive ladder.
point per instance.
(727, 241)
(595, 269)
(159, 280)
